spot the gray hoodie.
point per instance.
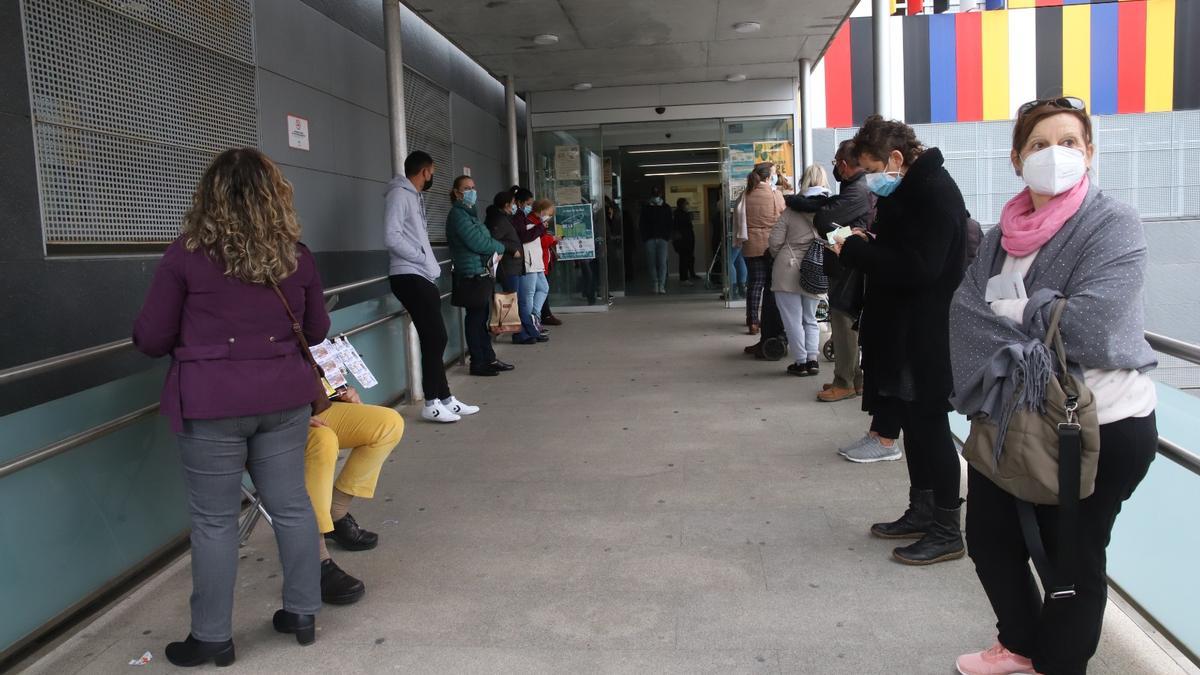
(407, 235)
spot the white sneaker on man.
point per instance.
(438, 412)
(459, 408)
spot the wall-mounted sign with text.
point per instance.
(297, 132)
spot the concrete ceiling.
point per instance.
(635, 42)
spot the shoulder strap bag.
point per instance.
(321, 403)
(812, 268)
(1049, 458)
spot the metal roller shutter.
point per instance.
(427, 119)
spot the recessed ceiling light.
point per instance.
(545, 39)
(747, 27)
(657, 150)
(683, 173)
(581, 86)
(738, 77)
(671, 164)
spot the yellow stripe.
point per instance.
(995, 65)
(1020, 4)
(1077, 52)
(1160, 55)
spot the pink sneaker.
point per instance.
(995, 660)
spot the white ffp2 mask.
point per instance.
(1054, 170)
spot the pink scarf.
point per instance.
(1025, 229)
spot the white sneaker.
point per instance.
(459, 408)
(439, 413)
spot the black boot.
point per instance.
(337, 587)
(350, 536)
(915, 521)
(304, 626)
(193, 652)
(942, 542)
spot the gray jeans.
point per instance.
(846, 373)
(214, 454)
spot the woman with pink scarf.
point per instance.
(1060, 238)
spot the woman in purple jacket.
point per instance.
(238, 392)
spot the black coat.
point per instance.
(655, 222)
(912, 267)
(684, 232)
(500, 225)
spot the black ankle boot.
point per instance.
(337, 587)
(193, 652)
(942, 542)
(304, 626)
(915, 521)
(350, 536)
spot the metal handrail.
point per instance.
(88, 435)
(60, 361)
(1172, 347)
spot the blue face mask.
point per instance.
(657, 201)
(512, 210)
(883, 183)
(469, 197)
(527, 209)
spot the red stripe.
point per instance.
(915, 7)
(839, 89)
(1131, 57)
(1047, 3)
(969, 28)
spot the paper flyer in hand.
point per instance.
(353, 362)
(842, 233)
(326, 355)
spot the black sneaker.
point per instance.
(543, 338)
(813, 367)
(799, 370)
(337, 587)
(350, 536)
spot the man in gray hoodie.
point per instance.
(413, 274)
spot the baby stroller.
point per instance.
(712, 277)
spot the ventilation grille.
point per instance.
(130, 101)
(427, 119)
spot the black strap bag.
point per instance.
(472, 292)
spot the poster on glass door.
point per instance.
(576, 232)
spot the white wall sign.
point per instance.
(466, 170)
(297, 132)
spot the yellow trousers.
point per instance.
(372, 431)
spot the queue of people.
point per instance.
(913, 288)
(236, 302)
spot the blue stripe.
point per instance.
(1076, 2)
(993, 4)
(943, 69)
(1104, 58)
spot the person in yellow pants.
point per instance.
(372, 431)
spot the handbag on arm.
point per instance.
(321, 403)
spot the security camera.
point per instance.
(660, 110)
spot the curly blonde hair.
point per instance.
(242, 216)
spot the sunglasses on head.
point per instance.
(1065, 102)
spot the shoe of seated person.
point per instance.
(337, 587)
(995, 660)
(347, 533)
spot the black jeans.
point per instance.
(687, 263)
(928, 446)
(1058, 635)
(479, 341)
(423, 302)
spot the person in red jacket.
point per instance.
(543, 213)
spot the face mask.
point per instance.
(527, 209)
(837, 174)
(469, 197)
(1054, 170)
(428, 184)
(773, 180)
(883, 183)
(512, 210)
(657, 201)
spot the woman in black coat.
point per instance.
(913, 262)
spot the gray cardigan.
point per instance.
(1097, 261)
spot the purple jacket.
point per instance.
(232, 348)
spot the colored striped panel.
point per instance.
(1076, 52)
(896, 47)
(1104, 58)
(969, 66)
(1022, 58)
(916, 70)
(1187, 56)
(1077, 2)
(943, 75)
(915, 7)
(1160, 54)
(994, 38)
(839, 109)
(1049, 52)
(862, 68)
(1131, 57)
(1048, 3)
(993, 4)
(1021, 4)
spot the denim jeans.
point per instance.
(656, 261)
(540, 293)
(799, 314)
(526, 294)
(737, 267)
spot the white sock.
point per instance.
(429, 403)
(448, 401)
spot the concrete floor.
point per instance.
(637, 497)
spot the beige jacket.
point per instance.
(763, 208)
(789, 242)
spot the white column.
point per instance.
(396, 124)
(806, 149)
(880, 10)
(510, 109)
(531, 170)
